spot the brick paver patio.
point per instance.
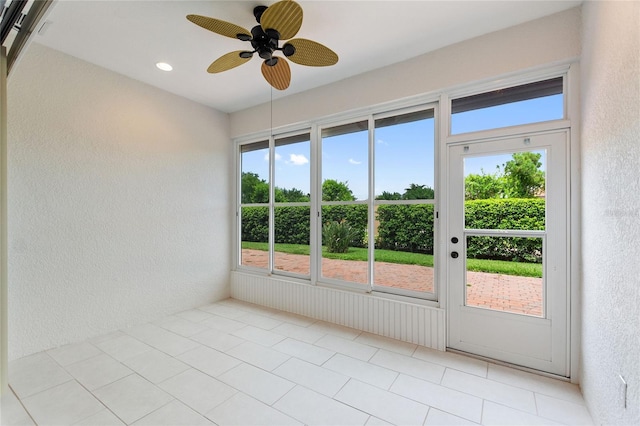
(495, 291)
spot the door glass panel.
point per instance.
(506, 191)
(505, 274)
(254, 222)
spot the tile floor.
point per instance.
(233, 363)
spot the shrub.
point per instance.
(355, 215)
(292, 224)
(337, 236)
(405, 228)
(255, 224)
(509, 213)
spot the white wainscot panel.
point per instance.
(422, 325)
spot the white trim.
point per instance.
(4, 369)
(371, 212)
(404, 320)
(575, 252)
(507, 132)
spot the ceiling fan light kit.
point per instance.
(278, 22)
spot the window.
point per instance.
(528, 103)
(254, 204)
(344, 208)
(375, 195)
(292, 211)
(285, 205)
(404, 203)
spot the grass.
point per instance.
(478, 265)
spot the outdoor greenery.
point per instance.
(405, 227)
(410, 227)
(519, 177)
(414, 192)
(337, 236)
(391, 256)
(503, 200)
(332, 190)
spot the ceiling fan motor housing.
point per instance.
(264, 42)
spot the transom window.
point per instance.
(528, 103)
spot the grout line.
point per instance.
(98, 399)
(22, 405)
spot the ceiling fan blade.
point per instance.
(284, 16)
(311, 53)
(278, 75)
(227, 61)
(219, 27)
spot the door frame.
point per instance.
(566, 364)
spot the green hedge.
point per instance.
(255, 224)
(292, 223)
(405, 228)
(410, 227)
(511, 213)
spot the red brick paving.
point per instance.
(495, 291)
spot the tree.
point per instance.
(418, 192)
(292, 195)
(523, 177)
(389, 196)
(254, 189)
(332, 190)
(483, 186)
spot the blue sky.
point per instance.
(403, 152)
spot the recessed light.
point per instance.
(164, 66)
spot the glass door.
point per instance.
(507, 250)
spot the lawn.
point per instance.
(479, 265)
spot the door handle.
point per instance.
(454, 254)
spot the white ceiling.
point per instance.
(129, 37)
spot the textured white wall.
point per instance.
(611, 209)
(539, 42)
(118, 202)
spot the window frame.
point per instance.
(441, 102)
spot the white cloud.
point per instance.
(381, 142)
(297, 159)
(352, 161)
(278, 157)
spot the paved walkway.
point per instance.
(495, 291)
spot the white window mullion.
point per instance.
(315, 239)
(272, 196)
(371, 205)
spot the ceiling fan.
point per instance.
(278, 22)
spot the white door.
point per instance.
(508, 255)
